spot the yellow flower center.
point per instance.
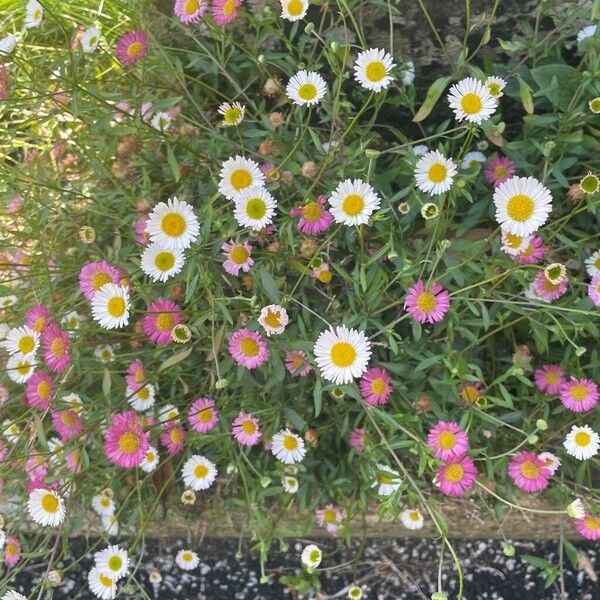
(50, 503)
(248, 427)
(232, 115)
(325, 276)
(378, 386)
(176, 436)
(58, 347)
(229, 8)
(513, 241)
(67, 418)
(205, 415)
(116, 306)
(240, 179)
(39, 324)
(105, 580)
(187, 556)
(23, 367)
(134, 49)
(597, 263)
(471, 103)
(552, 377)
(520, 207)
(105, 502)
(37, 15)
(315, 556)
(11, 549)
(26, 344)
(447, 440)
(115, 563)
(307, 91)
(164, 261)
(272, 319)
(191, 6)
(494, 89)
(165, 322)
(413, 515)
(582, 439)
(470, 394)
(500, 172)
(579, 392)
(529, 470)
(144, 393)
(353, 205)
(99, 279)
(549, 286)
(312, 212)
(139, 375)
(200, 471)
(92, 41)
(592, 523)
(150, 456)
(239, 255)
(385, 479)
(437, 173)
(256, 208)
(173, 224)
(595, 105)
(43, 389)
(329, 516)
(295, 7)
(129, 442)
(426, 302)
(454, 473)
(249, 347)
(343, 354)
(375, 71)
(290, 442)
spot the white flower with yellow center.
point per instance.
(160, 263)
(288, 447)
(592, 264)
(514, 244)
(150, 460)
(198, 473)
(372, 69)
(232, 113)
(7, 45)
(254, 208)
(353, 201)
(434, 173)
(173, 224)
(342, 354)
(34, 13)
(6, 301)
(471, 101)
(522, 205)
(12, 595)
(472, 160)
(354, 593)
(90, 40)
(142, 398)
(113, 561)
(104, 353)
(101, 585)
(290, 484)
(111, 525)
(187, 560)
(10, 431)
(388, 480)
(23, 341)
(110, 306)
(75, 402)
(238, 174)
(311, 556)
(412, 519)
(582, 442)
(20, 368)
(294, 10)
(168, 413)
(306, 88)
(495, 85)
(104, 505)
(46, 507)
(72, 320)
(161, 120)
(274, 319)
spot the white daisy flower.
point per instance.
(105, 353)
(11, 300)
(23, 341)
(472, 160)
(290, 484)
(407, 73)
(111, 525)
(353, 201)
(354, 593)
(161, 120)
(173, 224)
(7, 45)
(141, 398)
(20, 368)
(586, 32)
(113, 561)
(101, 585)
(288, 447)
(495, 85)
(388, 480)
(10, 431)
(420, 149)
(34, 13)
(150, 460)
(311, 556)
(46, 507)
(306, 88)
(412, 519)
(72, 320)
(582, 442)
(592, 264)
(74, 400)
(471, 101)
(198, 473)
(522, 205)
(110, 306)
(372, 69)
(55, 446)
(233, 112)
(342, 354)
(161, 263)
(4, 329)
(514, 244)
(434, 173)
(90, 39)
(187, 560)
(274, 319)
(103, 505)
(294, 10)
(13, 595)
(168, 413)
(238, 174)
(254, 208)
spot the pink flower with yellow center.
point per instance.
(448, 441)
(579, 395)
(549, 378)
(376, 386)
(548, 290)
(40, 390)
(162, 316)
(238, 257)
(588, 527)
(246, 429)
(203, 415)
(135, 376)
(528, 472)
(55, 345)
(534, 253)
(12, 551)
(190, 11)
(330, 517)
(132, 47)
(594, 290)
(142, 237)
(457, 477)
(314, 217)
(471, 392)
(67, 423)
(427, 304)
(297, 364)
(357, 439)
(36, 467)
(173, 437)
(37, 317)
(248, 349)
(125, 442)
(96, 274)
(499, 169)
(225, 11)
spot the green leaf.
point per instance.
(173, 163)
(297, 421)
(433, 94)
(526, 98)
(269, 285)
(106, 382)
(318, 397)
(176, 358)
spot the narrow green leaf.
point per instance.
(106, 382)
(173, 163)
(526, 98)
(433, 94)
(177, 357)
(269, 286)
(318, 397)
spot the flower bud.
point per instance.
(310, 27)
(541, 424)
(533, 439)
(221, 384)
(508, 549)
(372, 154)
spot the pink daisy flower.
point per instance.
(132, 47)
(67, 423)
(594, 290)
(36, 467)
(203, 415)
(40, 390)
(12, 551)
(296, 363)
(94, 275)
(551, 462)
(549, 378)
(172, 437)
(314, 217)
(74, 462)
(457, 477)
(248, 348)
(588, 527)
(141, 235)
(37, 317)
(125, 442)
(448, 441)
(238, 257)
(528, 472)
(579, 395)
(190, 11)
(471, 392)
(225, 11)
(330, 517)
(547, 290)
(15, 205)
(357, 439)
(427, 305)
(534, 253)
(163, 315)
(376, 386)
(499, 169)
(269, 170)
(245, 429)
(55, 344)
(135, 376)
